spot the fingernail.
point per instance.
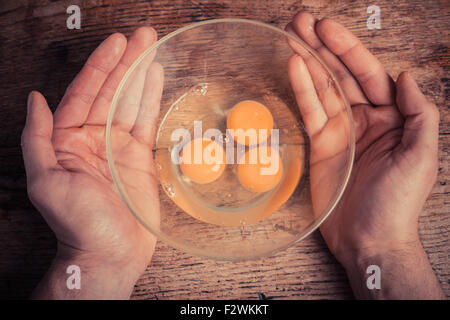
(30, 101)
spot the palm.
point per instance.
(383, 161)
(103, 221)
(375, 169)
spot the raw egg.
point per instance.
(253, 116)
(202, 160)
(260, 172)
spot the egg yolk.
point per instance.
(204, 163)
(247, 115)
(261, 174)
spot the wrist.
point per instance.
(86, 275)
(113, 274)
(361, 256)
(389, 263)
(362, 250)
(400, 272)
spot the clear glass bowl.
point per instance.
(198, 73)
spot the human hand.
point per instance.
(68, 179)
(396, 145)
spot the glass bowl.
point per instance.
(194, 76)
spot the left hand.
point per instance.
(68, 179)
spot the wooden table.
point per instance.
(39, 52)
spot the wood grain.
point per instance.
(39, 52)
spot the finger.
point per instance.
(311, 109)
(303, 24)
(421, 128)
(129, 100)
(325, 87)
(81, 93)
(140, 40)
(378, 86)
(37, 148)
(144, 128)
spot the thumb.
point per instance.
(37, 148)
(421, 127)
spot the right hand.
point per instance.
(397, 142)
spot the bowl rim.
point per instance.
(194, 251)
